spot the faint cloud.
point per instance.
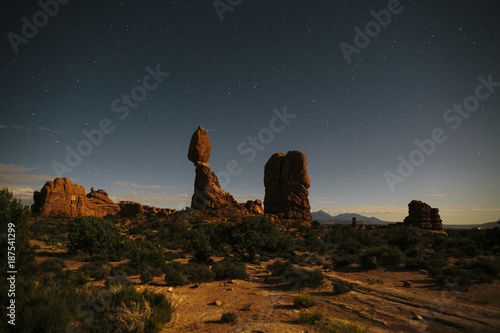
(10, 173)
(327, 202)
(487, 209)
(39, 128)
(436, 195)
(135, 185)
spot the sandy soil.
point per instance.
(378, 301)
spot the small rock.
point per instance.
(406, 284)
(248, 307)
(170, 289)
(194, 286)
(416, 316)
(229, 289)
(216, 303)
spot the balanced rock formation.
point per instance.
(207, 190)
(199, 147)
(287, 183)
(423, 216)
(62, 197)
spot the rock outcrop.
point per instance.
(62, 197)
(100, 204)
(423, 216)
(134, 209)
(207, 190)
(199, 147)
(287, 183)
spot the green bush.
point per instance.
(279, 268)
(340, 287)
(416, 263)
(94, 236)
(486, 265)
(79, 279)
(129, 311)
(199, 273)
(345, 260)
(309, 318)
(140, 254)
(381, 256)
(229, 318)
(52, 265)
(227, 270)
(98, 270)
(174, 275)
(14, 219)
(405, 237)
(299, 278)
(302, 301)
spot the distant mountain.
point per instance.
(345, 218)
(489, 225)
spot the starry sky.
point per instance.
(389, 100)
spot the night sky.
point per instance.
(272, 76)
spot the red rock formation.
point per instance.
(65, 198)
(134, 209)
(423, 216)
(199, 147)
(287, 182)
(207, 190)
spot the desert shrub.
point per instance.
(227, 269)
(94, 236)
(198, 273)
(162, 311)
(229, 318)
(486, 265)
(146, 276)
(457, 278)
(340, 287)
(302, 301)
(264, 258)
(49, 230)
(309, 318)
(41, 308)
(416, 263)
(460, 247)
(299, 278)
(170, 256)
(174, 274)
(52, 265)
(97, 270)
(381, 256)
(14, 219)
(144, 253)
(279, 268)
(314, 261)
(249, 237)
(299, 259)
(405, 237)
(130, 311)
(345, 260)
(79, 279)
